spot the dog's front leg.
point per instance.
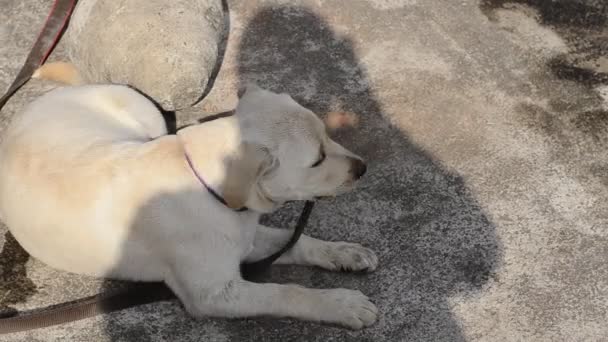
(311, 251)
(217, 292)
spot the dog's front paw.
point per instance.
(349, 308)
(345, 256)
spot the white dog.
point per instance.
(91, 183)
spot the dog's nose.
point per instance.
(358, 168)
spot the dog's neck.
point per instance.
(209, 146)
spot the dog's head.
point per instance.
(286, 154)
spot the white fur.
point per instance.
(90, 183)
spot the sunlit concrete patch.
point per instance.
(603, 91)
(403, 58)
(392, 4)
(525, 30)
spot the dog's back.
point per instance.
(62, 161)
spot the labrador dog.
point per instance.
(91, 183)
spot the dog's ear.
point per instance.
(243, 169)
(338, 120)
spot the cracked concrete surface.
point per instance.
(485, 124)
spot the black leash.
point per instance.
(253, 271)
(140, 293)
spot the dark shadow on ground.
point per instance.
(433, 238)
(582, 24)
(15, 286)
(574, 104)
(573, 13)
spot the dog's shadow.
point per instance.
(432, 237)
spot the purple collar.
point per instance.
(202, 181)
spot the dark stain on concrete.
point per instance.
(583, 25)
(15, 286)
(600, 171)
(572, 13)
(556, 121)
(565, 70)
(575, 125)
(594, 123)
(541, 120)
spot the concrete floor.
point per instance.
(485, 124)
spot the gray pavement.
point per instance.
(485, 125)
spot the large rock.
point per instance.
(167, 49)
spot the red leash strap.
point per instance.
(47, 39)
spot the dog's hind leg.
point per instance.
(126, 107)
(314, 252)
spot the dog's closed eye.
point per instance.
(320, 160)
